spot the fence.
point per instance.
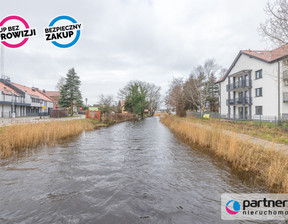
(200, 114)
(257, 119)
(37, 114)
(57, 113)
(93, 114)
(117, 117)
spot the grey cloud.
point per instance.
(123, 40)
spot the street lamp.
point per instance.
(13, 106)
(13, 109)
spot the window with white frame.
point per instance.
(258, 110)
(258, 92)
(258, 74)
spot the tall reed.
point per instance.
(20, 138)
(269, 165)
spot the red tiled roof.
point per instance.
(44, 96)
(7, 90)
(52, 93)
(29, 90)
(267, 56)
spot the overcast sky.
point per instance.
(123, 40)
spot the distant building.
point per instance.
(256, 84)
(54, 95)
(20, 100)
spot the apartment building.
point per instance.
(256, 85)
(19, 100)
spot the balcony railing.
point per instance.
(238, 101)
(285, 97)
(239, 84)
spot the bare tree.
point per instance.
(106, 102)
(153, 97)
(192, 90)
(200, 87)
(60, 83)
(275, 28)
(175, 96)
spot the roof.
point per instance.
(266, 56)
(43, 95)
(31, 92)
(52, 93)
(7, 90)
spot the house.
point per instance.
(19, 100)
(256, 85)
(54, 95)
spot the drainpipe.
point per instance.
(220, 98)
(279, 114)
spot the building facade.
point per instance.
(256, 86)
(55, 96)
(19, 100)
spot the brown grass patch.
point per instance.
(20, 138)
(268, 165)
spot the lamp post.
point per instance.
(13, 110)
(13, 105)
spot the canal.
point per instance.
(132, 172)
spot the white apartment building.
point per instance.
(20, 100)
(256, 85)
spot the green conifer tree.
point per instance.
(70, 94)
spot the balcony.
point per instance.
(239, 85)
(239, 101)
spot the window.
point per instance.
(258, 110)
(35, 100)
(258, 74)
(258, 92)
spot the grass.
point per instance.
(266, 131)
(18, 139)
(160, 114)
(269, 166)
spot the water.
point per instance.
(132, 172)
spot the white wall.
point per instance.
(284, 106)
(268, 82)
(21, 110)
(224, 97)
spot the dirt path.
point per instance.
(254, 140)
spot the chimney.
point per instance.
(44, 91)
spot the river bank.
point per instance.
(20, 138)
(270, 165)
(130, 172)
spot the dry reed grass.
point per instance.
(161, 114)
(267, 131)
(20, 138)
(269, 165)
